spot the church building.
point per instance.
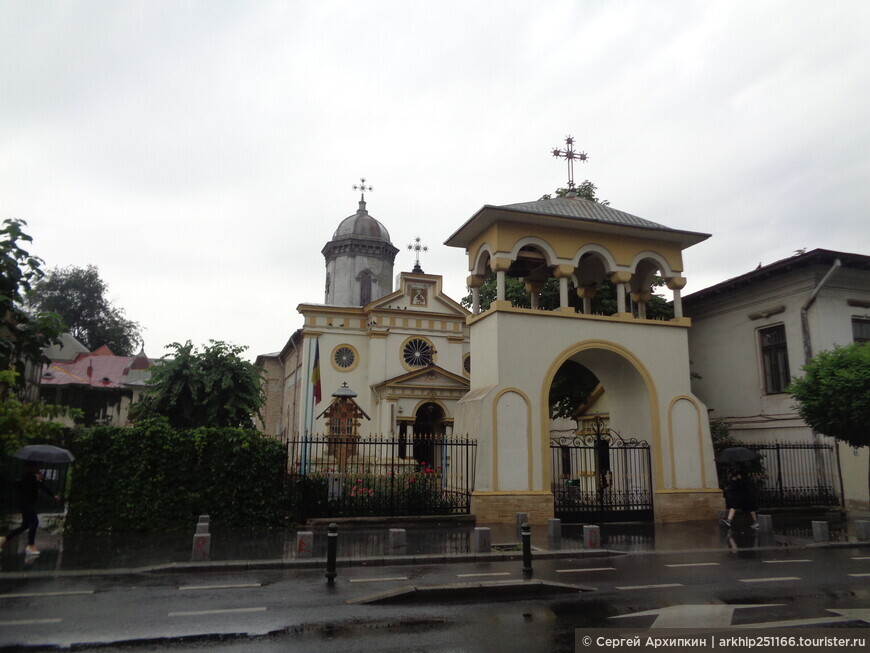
(400, 344)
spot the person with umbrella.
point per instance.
(27, 492)
(739, 493)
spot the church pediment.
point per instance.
(429, 378)
(421, 293)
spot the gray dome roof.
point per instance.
(361, 224)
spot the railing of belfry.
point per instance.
(346, 476)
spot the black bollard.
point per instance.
(331, 552)
(527, 549)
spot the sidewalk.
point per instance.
(368, 544)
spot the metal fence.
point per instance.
(346, 476)
(795, 474)
(600, 476)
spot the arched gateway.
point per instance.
(642, 364)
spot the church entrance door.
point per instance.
(428, 427)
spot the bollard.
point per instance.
(331, 552)
(398, 540)
(591, 536)
(521, 518)
(554, 527)
(765, 523)
(482, 539)
(862, 530)
(527, 549)
(821, 532)
(304, 544)
(203, 519)
(201, 550)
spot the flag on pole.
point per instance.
(315, 373)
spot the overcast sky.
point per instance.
(201, 153)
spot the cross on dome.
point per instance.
(362, 188)
(569, 154)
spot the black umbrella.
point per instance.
(736, 455)
(43, 453)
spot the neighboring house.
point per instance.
(98, 383)
(753, 333)
(403, 351)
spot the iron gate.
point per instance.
(600, 476)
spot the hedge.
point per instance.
(151, 477)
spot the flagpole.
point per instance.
(307, 392)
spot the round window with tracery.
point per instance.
(344, 358)
(417, 353)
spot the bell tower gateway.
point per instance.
(642, 364)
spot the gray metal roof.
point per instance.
(575, 207)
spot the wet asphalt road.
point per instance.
(296, 610)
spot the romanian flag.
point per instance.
(315, 373)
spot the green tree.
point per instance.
(833, 395)
(25, 422)
(214, 387)
(571, 387)
(79, 296)
(23, 334)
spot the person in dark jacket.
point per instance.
(28, 488)
(740, 495)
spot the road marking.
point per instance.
(574, 571)
(30, 622)
(773, 562)
(695, 564)
(199, 613)
(861, 558)
(700, 616)
(649, 587)
(767, 580)
(861, 614)
(218, 587)
(30, 595)
(860, 574)
(377, 580)
(495, 573)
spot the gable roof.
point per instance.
(823, 257)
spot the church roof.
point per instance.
(576, 207)
(361, 224)
(570, 212)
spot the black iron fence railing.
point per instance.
(794, 474)
(345, 476)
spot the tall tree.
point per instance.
(23, 334)
(214, 387)
(833, 395)
(79, 296)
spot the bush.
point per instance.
(152, 477)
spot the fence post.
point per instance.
(527, 549)
(304, 544)
(201, 541)
(331, 552)
(591, 536)
(821, 531)
(482, 539)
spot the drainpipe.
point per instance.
(805, 309)
(808, 354)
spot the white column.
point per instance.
(534, 297)
(499, 285)
(563, 292)
(620, 298)
(678, 303)
(475, 301)
(587, 306)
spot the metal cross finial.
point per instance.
(418, 246)
(362, 188)
(569, 154)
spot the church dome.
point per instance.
(361, 224)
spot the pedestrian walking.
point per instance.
(740, 495)
(27, 492)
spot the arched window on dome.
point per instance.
(365, 287)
